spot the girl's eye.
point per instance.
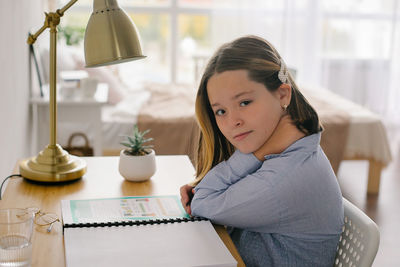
(245, 103)
(219, 112)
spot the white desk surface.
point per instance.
(100, 98)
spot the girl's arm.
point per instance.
(234, 191)
(234, 194)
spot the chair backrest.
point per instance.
(359, 241)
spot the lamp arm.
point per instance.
(52, 20)
(62, 10)
(32, 37)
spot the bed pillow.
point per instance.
(107, 74)
(72, 58)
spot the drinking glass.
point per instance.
(16, 227)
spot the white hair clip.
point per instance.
(283, 73)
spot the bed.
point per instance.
(366, 134)
(351, 132)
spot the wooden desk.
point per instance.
(101, 180)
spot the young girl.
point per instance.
(260, 168)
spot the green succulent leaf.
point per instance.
(148, 140)
(135, 142)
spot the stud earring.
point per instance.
(284, 107)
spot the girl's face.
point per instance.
(245, 111)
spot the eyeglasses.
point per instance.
(40, 218)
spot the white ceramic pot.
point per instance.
(137, 168)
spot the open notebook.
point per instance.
(139, 231)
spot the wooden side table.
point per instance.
(102, 180)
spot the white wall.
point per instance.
(16, 18)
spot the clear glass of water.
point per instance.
(16, 226)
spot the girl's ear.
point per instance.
(284, 94)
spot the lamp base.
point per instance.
(53, 165)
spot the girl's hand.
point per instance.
(285, 134)
(187, 193)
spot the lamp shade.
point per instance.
(111, 36)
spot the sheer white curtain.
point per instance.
(351, 47)
(393, 106)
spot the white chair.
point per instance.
(359, 240)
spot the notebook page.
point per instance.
(171, 244)
(121, 209)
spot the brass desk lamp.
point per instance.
(111, 37)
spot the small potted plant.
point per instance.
(137, 162)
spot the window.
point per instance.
(178, 36)
(173, 35)
(357, 28)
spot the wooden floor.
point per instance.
(384, 208)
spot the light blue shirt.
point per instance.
(284, 211)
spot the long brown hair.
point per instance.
(263, 63)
